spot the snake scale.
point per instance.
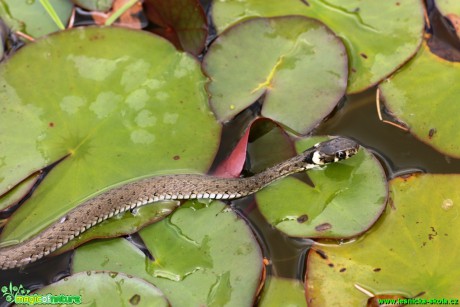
(167, 187)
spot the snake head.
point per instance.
(334, 150)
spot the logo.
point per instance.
(20, 295)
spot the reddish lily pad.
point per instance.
(380, 36)
(346, 200)
(301, 72)
(182, 22)
(451, 10)
(113, 110)
(411, 251)
(103, 289)
(421, 95)
(204, 255)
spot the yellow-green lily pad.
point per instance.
(282, 292)
(204, 255)
(411, 252)
(380, 36)
(117, 112)
(101, 288)
(297, 64)
(423, 95)
(346, 200)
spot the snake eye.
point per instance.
(341, 155)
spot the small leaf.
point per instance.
(347, 198)
(302, 72)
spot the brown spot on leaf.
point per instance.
(303, 218)
(377, 269)
(363, 55)
(431, 133)
(321, 253)
(176, 157)
(342, 270)
(51, 124)
(323, 227)
(331, 265)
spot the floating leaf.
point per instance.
(31, 18)
(411, 251)
(301, 72)
(282, 292)
(117, 112)
(123, 224)
(204, 255)
(379, 35)
(103, 289)
(91, 5)
(18, 192)
(347, 198)
(422, 95)
(182, 22)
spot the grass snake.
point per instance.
(167, 187)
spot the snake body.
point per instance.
(167, 187)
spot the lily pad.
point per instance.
(91, 5)
(116, 112)
(103, 289)
(411, 251)
(29, 16)
(451, 10)
(346, 200)
(123, 224)
(18, 192)
(268, 137)
(421, 95)
(283, 292)
(301, 72)
(380, 36)
(204, 255)
(182, 22)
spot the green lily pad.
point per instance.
(451, 10)
(379, 35)
(411, 251)
(301, 72)
(103, 289)
(421, 95)
(91, 5)
(29, 16)
(117, 112)
(123, 224)
(18, 192)
(204, 255)
(283, 292)
(346, 200)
